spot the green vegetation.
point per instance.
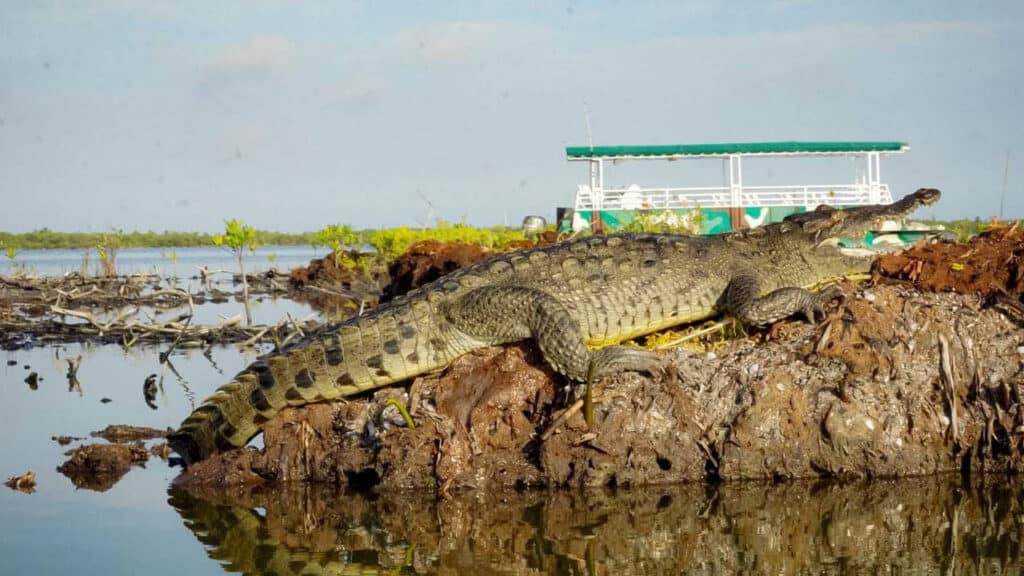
(964, 228)
(393, 242)
(108, 247)
(339, 238)
(46, 238)
(11, 251)
(237, 237)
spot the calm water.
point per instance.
(919, 526)
(147, 260)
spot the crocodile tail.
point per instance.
(341, 360)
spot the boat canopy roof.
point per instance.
(725, 150)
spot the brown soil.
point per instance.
(99, 466)
(988, 263)
(336, 289)
(427, 261)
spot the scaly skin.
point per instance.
(570, 297)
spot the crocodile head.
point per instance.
(816, 234)
(827, 224)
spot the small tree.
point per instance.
(236, 238)
(338, 237)
(109, 246)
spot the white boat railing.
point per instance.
(637, 198)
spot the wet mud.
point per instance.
(914, 526)
(99, 467)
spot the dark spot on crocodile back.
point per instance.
(437, 344)
(345, 380)
(263, 375)
(227, 430)
(293, 394)
(304, 379)
(258, 400)
(296, 566)
(413, 357)
(259, 419)
(383, 373)
(334, 356)
(375, 361)
(406, 331)
(391, 347)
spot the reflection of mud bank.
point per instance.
(894, 383)
(914, 526)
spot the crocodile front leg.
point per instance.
(741, 300)
(500, 314)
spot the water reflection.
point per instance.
(918, 526)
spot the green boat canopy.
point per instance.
(721, 150)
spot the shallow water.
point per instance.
(159, 260)
(917, 526)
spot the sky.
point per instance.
(160, 115)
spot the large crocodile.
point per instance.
(578, 300)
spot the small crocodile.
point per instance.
(578, 300)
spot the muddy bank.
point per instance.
(915, 526)
(328, 285)
(894, 383)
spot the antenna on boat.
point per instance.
(586, 119)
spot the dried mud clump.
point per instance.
(427, 261)
(25, 483)
(988, 263)
(99, 466)
(326, 285)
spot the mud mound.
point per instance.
(328, 286)
(325, 271)
(894, 383)
(988, 264)
(99, 466)
(427, 261)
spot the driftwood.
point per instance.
(109, 310)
